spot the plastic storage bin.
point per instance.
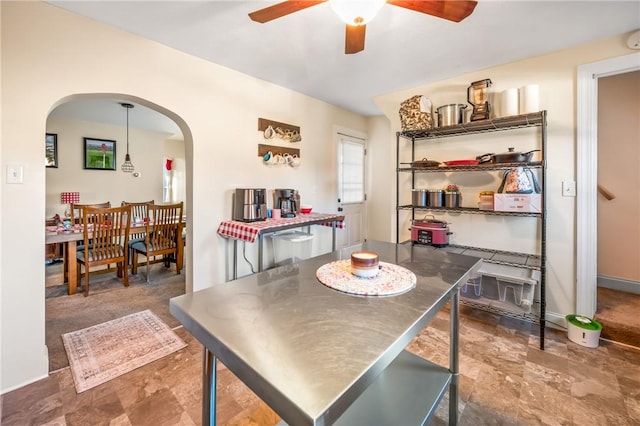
(291, 247)
(515, 285)
(472, 288)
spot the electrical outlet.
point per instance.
(568, 188)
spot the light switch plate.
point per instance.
(568, 188)
(14, 174)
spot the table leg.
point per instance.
(71, 266)
(65, 262)
(260, 241)
(454, 367)
(333, 236)
(235, 259)
(209, 388)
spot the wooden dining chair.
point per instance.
(108, 230)
(138, 210)
(76, 210)
(162, 237)
(76, 218)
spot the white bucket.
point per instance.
(583, 330)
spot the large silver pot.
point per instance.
(451, 114)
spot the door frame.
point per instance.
(587, 175)
(338, 133)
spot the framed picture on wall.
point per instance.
(99, 154)
(51, 150)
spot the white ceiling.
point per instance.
(304, 51)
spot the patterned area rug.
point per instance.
(105, 351)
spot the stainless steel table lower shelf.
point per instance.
(406, 393)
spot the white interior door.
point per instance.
(351, 185)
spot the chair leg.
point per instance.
(148, 278)
(125, 270)
(78, 273)
(131, 253)
(86, 280)
(134, 263)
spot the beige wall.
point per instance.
(147, 149)
(619, 172)
(556, 75)
(49, 56)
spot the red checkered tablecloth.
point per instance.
(249, 231)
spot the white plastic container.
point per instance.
(515, 285)
(291, 247)
(583, 330)
(472, 288)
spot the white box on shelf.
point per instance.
(526, 203)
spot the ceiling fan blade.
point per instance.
(281, 9)
(452, 10)
(354, 39)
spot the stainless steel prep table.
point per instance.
(318, 356)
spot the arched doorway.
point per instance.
(155, 134)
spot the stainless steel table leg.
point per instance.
(333, 235)
(260, 241)
(235, 259)
(209, 388)
(454, 367)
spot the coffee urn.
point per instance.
(250, 204)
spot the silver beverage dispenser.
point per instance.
(250, 204)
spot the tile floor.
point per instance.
(505, 380)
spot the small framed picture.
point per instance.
(99, 154)
(51, 150)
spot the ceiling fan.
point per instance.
(357, 13)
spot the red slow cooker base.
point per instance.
(433, 235)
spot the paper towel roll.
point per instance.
(509, 101)
(529, 99)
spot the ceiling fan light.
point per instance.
(356, 12)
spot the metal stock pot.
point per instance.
(450, 114)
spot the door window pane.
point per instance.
(351, 172)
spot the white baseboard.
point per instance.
(555, 320)
(619, 284)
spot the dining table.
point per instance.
(319, 354)
(236, 230)
(69, 238)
